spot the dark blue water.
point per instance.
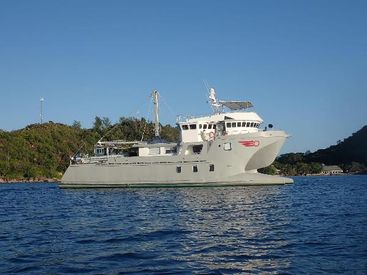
(317, 225)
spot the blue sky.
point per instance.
(303, 64)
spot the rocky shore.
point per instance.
(30, 180)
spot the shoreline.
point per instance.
(56, 180)
(30, 180)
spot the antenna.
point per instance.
(207, 89)
(206, 84)
(41, 111)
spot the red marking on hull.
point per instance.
(250, 143)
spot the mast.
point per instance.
(214, 101)
(156, 113)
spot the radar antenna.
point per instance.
(233, 105)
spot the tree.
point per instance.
(106, 123)
(291, 158)
(77, 124)
(315, 168)
(269, 170)
(97, 125)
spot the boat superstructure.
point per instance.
(222, 149)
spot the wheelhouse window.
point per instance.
(229, 125)
(205, 126)
(195, 169)
(211, 168)
(178, 169)
(185, 127)
(248, 124)
(243, 124)
(238, 124)
(192, 126)
(209, 126)
(200, 126)
(252, 124)
(233, 124)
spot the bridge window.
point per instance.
(214, 126)
(244, 124)
(233, 124)
(252, 124)
(238, 124)
(205, 126)
(209, 126)
(185, 127)
(228, 125)
(192, 126)
(178, 169)
(195, 169)
(248, 124)
(211, 168)
(200, 126)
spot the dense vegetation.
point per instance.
(44, 150)
(292, 164)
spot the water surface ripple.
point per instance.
(317, 225)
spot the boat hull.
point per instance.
(225, 161)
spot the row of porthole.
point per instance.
(195, 168)
(201, 126)
(242, 124)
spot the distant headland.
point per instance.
(41, 152)
(350, 155)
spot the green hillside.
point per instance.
(352, 149)
(44, 150)
(350, 155)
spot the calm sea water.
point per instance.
(317, 225)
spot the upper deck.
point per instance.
(208, 127)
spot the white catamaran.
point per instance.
(222, 149)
